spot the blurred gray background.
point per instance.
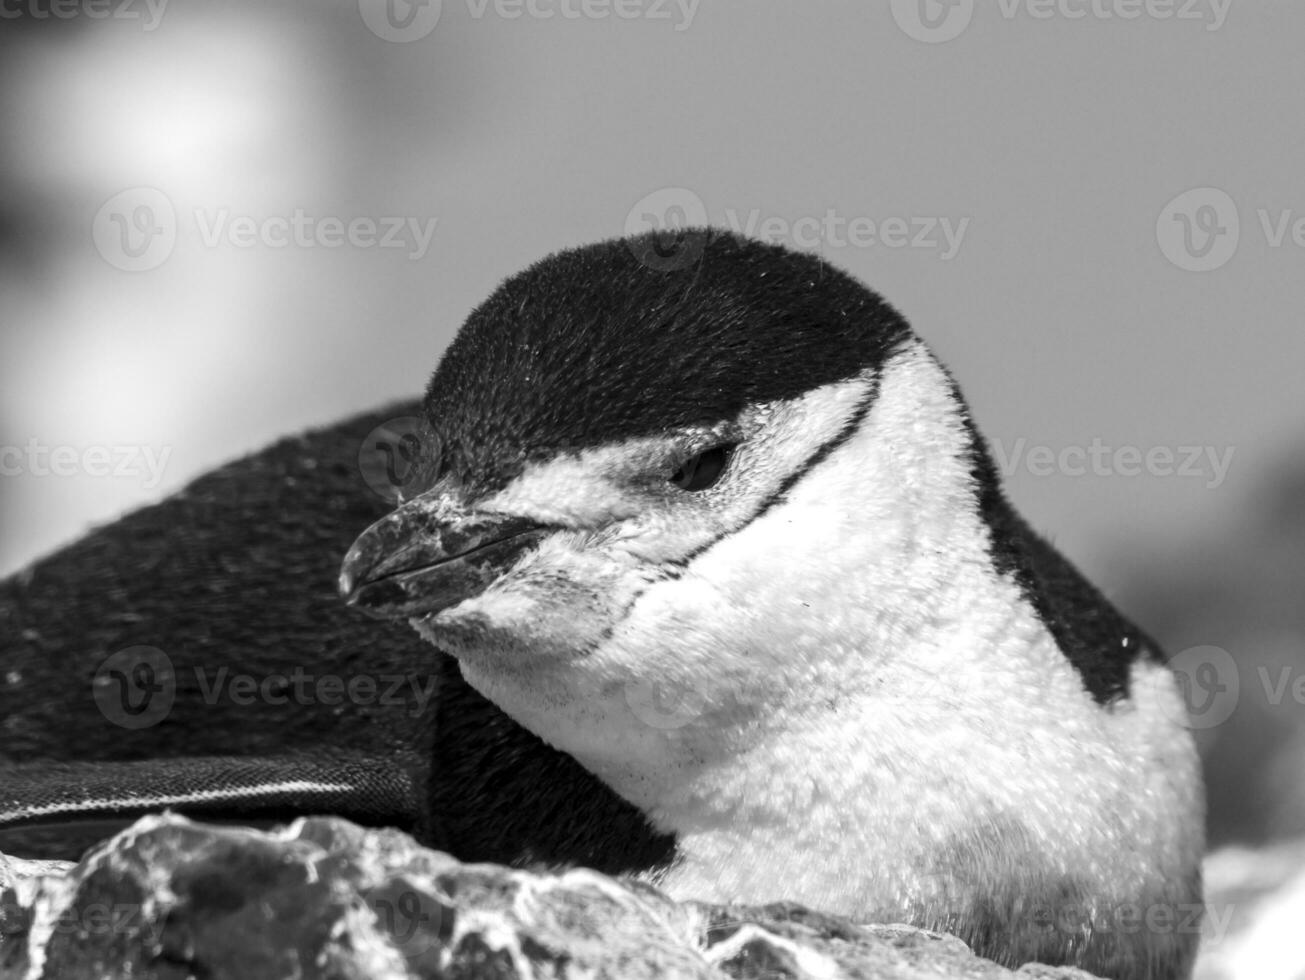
(1091, 210)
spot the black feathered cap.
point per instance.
(605, 342)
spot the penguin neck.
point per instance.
(876, 751)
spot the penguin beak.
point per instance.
(424, 557)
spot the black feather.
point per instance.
(599, 344)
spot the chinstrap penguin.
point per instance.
(721, 530)
(725, 533)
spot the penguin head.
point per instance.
(609, 527)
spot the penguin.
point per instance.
(707, 516)
(719, 587)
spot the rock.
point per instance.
(325, 899)
(14, 870)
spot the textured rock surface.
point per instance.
(326, 899)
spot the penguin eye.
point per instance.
(704, 470)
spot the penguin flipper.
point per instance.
(57, 810)
(228, 587)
